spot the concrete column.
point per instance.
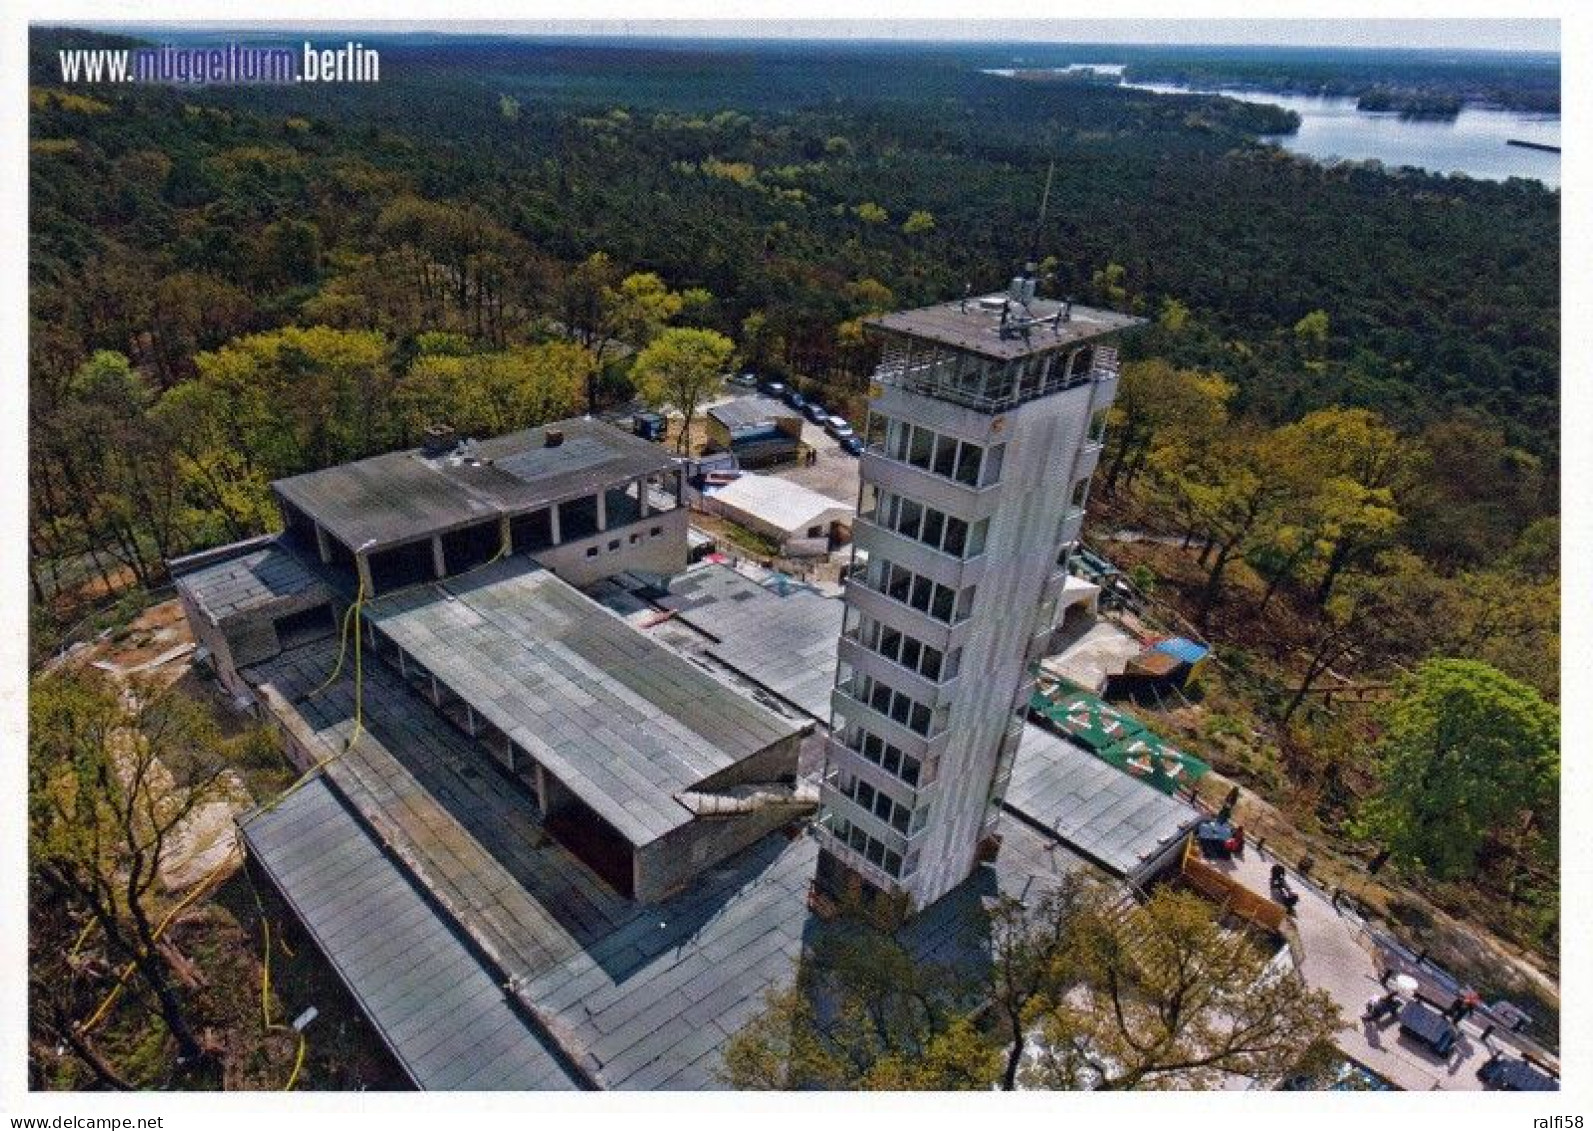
(470, 721)
(504, 538)
(321, 545)
(439, 562)
(436, 696)
(362, 566)
(553, 524)
(542, 789)
(602, 508)
(641, 496)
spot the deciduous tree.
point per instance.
(679, 368)
(1469, 755)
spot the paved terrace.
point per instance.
(633, 996)
(1334, 956)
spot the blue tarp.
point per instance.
(1186, 650)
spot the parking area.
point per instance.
(834, 472)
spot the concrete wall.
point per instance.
(211, 637)
(663, 553)
(676, 858)
(673, 860)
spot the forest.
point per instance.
(1341, 424)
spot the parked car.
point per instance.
(838, 427)
(742, 380)
(1504, 1074)
(816, 412)
(649, 425)
(1422, 1023)
(772, 388)
(852, 445)
(796, 400)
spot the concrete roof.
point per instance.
(1094, 650)
(780, 503)
(1091, 806)
(635, 996)
(975, 327)
(402, 496)
(622, 721)
(251, 583)
(785, 643)
(436, 1007)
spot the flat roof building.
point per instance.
(543, 849)
(794, 517)
(758, 430)
(562, 491)
(618, 737)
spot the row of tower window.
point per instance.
(900, 648)
(945, 604)
(887, 860)
(935, 529)
(895, 705)
(885, 755)
(903, 818)
(958, 460)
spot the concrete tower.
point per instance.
(985, 424)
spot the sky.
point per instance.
(1492, 34)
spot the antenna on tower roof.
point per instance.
(1039, 223)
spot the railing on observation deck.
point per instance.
(979, 384)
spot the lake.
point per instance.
(1333, 129)
(1472, 143)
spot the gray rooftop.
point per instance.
(751, 412)
(622, 721)
(440, 1012)
(784, 642)
(975, 326)
(251, 583)
(635, 996)
(402, 496)
(1092, 806)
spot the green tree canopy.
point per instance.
(1470, 756)
(679, 368)
(1169, 998)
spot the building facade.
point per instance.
(985, 424)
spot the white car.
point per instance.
(838, 427)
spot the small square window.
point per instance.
(591, 551)
(613, 545)
(655, 531)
